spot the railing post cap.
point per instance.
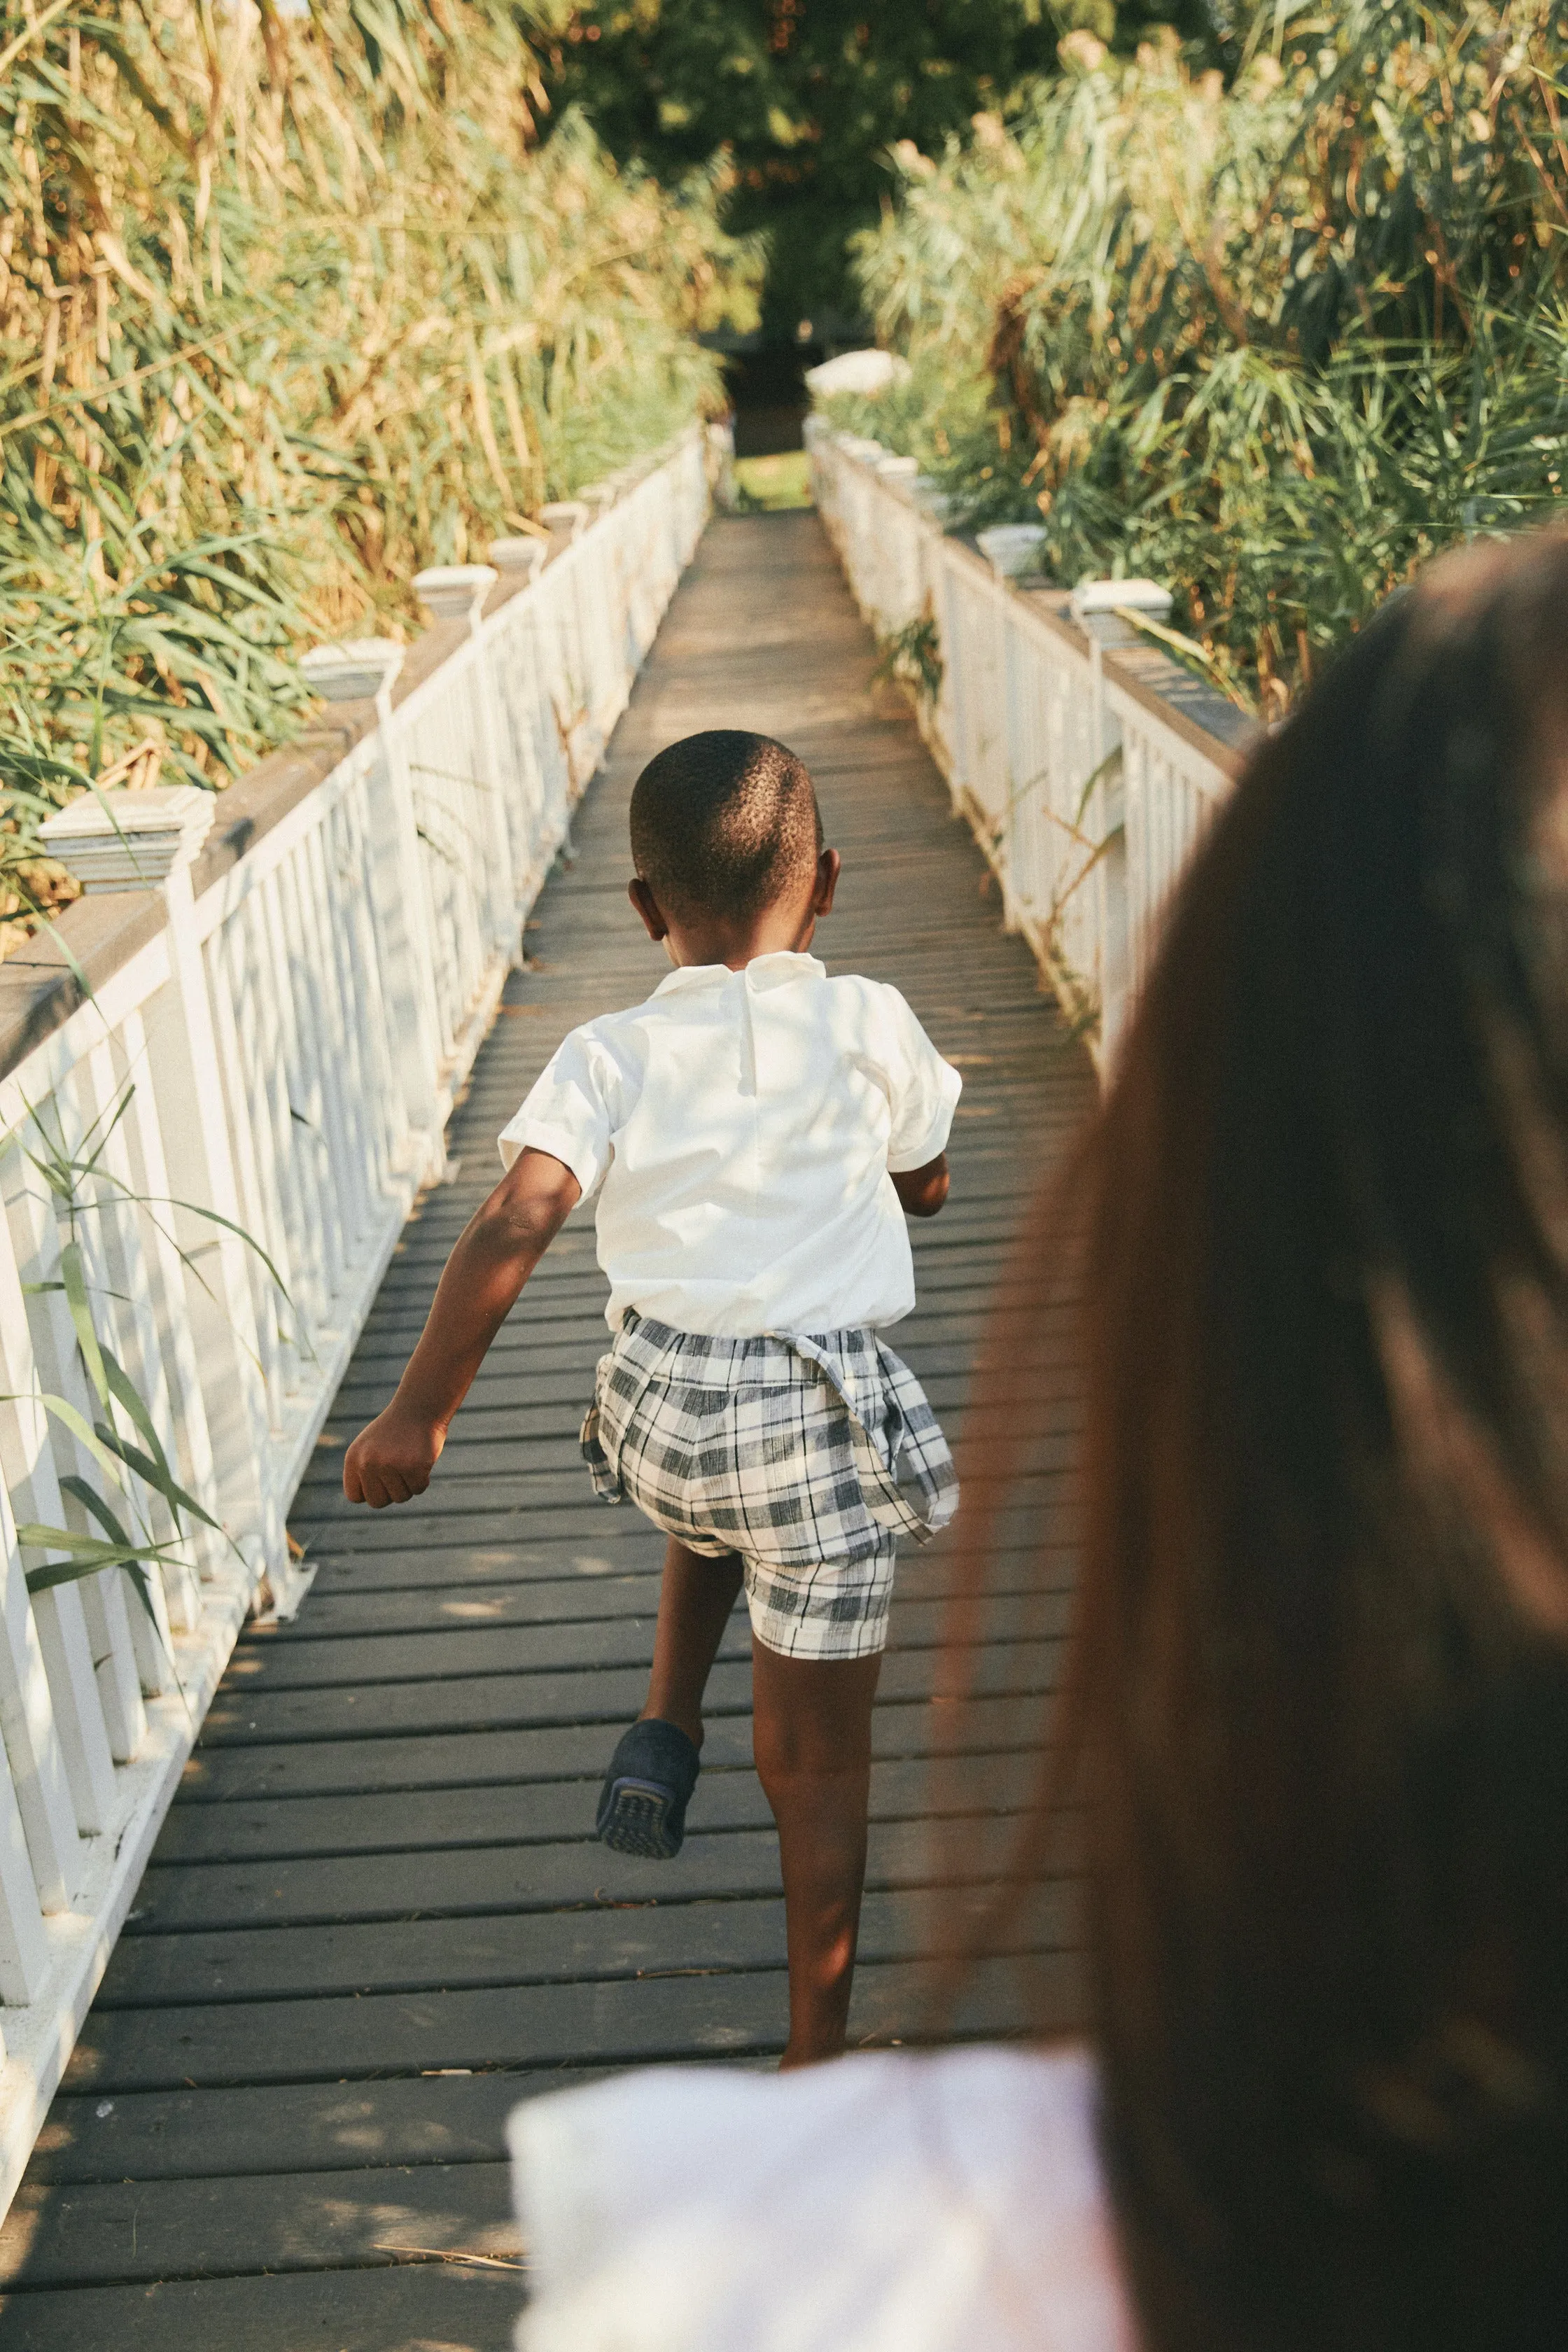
(523, 553)
(351, 672)
(1127, 596)
(568, 515)
(868, 372)
(1012, 549)
(129, 840)
(1097, 605)
(454, 592)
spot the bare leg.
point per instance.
(694, 1604)
(812, 1730)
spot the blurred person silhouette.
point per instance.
(1303, 1293)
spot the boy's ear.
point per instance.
(830, 865)
(647, 906)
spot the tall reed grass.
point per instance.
(291, 304)
(1271, 344)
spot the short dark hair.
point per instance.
(722, 822)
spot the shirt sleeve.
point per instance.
(568, 1112)
(924, 1090)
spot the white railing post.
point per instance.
(83, 1630)
(453, 592)
(363, 669)
(24, 1943)
(27, 1724)
(183, 1051)
(512, 691)
(1098, 608)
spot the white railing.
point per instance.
(205, 1166)
(1088, 761)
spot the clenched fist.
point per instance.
(391, 1460)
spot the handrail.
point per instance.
(218, 1098)
(1088, 763)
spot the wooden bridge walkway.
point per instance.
(377, 1917)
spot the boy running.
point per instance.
(754, 1133)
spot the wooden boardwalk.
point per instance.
(377, 1917)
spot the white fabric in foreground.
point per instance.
(742, 1125)
(890, 2202)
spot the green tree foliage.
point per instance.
(1271, 342)
(289, 306)
(808, 96)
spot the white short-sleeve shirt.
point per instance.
(740, 1128)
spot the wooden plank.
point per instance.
(649, 1920)
(421, 1821)
(588, 1694)
(578, 1751)
(611, 2020)
(117, 2233)
(404, 2307)
(446, 1881)
(443, 2119)
(445, 1606)
(623, 1542)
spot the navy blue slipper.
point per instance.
(647, 1789)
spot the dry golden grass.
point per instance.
(290, 306)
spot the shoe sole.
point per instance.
(637, 1821)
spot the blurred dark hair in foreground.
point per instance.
(1282, 1371)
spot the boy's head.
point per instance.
(723, 824)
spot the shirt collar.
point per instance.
(763, 972)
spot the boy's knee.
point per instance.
(812, 1720)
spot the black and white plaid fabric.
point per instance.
(809, 1457)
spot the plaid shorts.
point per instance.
(809, 1457)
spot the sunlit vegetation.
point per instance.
(806, 97)
(291, 304)
(1269, 339)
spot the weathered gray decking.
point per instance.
(377, 1917)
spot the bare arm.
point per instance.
(923, 1191)
(391, 1461)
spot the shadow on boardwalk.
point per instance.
(377, 1917)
